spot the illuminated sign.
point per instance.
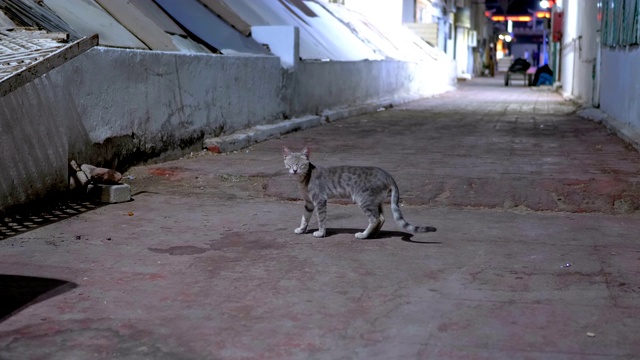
(514, 18)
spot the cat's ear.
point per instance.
(306, 152)
(285, 151)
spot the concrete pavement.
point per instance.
(537, 253)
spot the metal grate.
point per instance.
(21, 47)
(27, 54)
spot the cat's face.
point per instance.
(296, 163)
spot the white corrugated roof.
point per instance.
(321, 36)
(389, 40)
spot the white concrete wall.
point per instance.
(328, 85)
(569, 47)
(115, 108)
(462, 51)
(620, 90)
(155, 101)
(579, 49)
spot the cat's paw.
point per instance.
(318, 234)
(361, 235)
(300, 230)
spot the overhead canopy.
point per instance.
(315, 42)
(330, 30)
(159, 17)
(27, 13)
(327, 31)
(389, 40)
(220, 8)
(139, 24)
(207, 26)
(87, 18)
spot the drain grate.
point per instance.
(24, 221)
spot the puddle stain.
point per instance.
(228, 242)
(180, 250)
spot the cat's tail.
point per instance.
(397, 214)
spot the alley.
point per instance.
(536, 254)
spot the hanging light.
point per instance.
(545, 4)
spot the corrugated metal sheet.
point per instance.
(27, 13)
(153, 12)
(427, 31)
(139, 24)
(186, 45)
(87, 17)
(391, 41)
(207, 26)
(5, 22)
(315, 42)
(300, 5)
(328, 29)
(228, 15)
(178, 37)
(260, 13)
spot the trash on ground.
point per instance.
(84, 174)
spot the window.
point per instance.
(619, 22)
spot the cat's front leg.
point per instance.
(321, 211)
(306, 216)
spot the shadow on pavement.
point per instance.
(404, 236)
(18, 292)
(35, 217)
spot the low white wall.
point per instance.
(115, 107)
(620, 90)
(330, 85)
(140, 103)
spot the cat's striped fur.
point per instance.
(367, 186)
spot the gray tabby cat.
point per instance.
(367, 186)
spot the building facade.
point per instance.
(599, 60)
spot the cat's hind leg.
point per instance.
(380, 222)
(376, 220)
(306, 216)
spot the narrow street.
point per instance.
(536, 256)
